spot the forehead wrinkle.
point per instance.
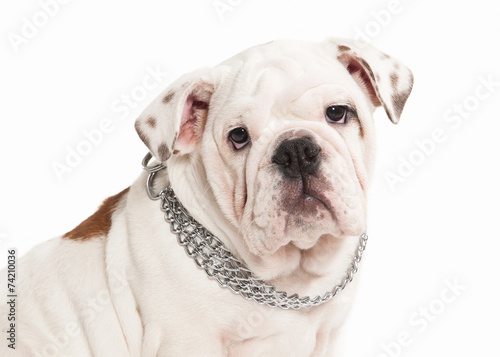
(285, 65)
(297, 89)
(262, 77)
(273, 73)
(306, 83)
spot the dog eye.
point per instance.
(239, 137)
(336, 114)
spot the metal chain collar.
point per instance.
(210, 254)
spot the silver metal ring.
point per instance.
(149, 186)
(147, 168)
(153, 170)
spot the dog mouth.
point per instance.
(316, 206)
(307, 213)
(307, 206)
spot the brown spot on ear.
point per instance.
(343, 48)
(394, 82)
(141, 133)
(151, 122)
(163, 152)
(99, 223)
(398, 102)
(399, 98)
(176, 152)
(168, 97)
(384, 56)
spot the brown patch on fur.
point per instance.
(163, 152)
(399, 98)
(99, 223)
(394, 82)
(343, 48)
(399, 101)
(168, 97)
(151, 122)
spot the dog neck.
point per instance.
(300, 281)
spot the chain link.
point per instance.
(210, 254)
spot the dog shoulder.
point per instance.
(98, 224)
(67, 272)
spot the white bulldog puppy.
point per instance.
(267, 157)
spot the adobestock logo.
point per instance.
(452, 121)
(91, 311)
(420, 320)
(381, 19)
(221, 7)
(31, 26)
(94, 137)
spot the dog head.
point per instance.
(281, 136)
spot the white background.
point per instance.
(438, 226)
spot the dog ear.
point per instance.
(173, 123)
(385, 80)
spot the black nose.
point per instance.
(297, 157)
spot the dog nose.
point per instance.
(297, 157)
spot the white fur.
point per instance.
(135, 292)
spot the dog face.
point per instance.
(282, 136)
